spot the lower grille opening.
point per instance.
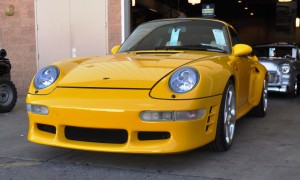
(114, 136)
(47, 128)
(143, 136)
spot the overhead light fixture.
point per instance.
(285, 0)
(252, 14)
(297, 22)
(246, 8)
(193, 2)
(240, 1)
(132, 2)
(153, 10)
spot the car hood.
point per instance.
(130, 70)
(272, 64)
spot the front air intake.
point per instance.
(113, 136)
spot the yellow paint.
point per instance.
(241, 50)
(115, 49)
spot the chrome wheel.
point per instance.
(229, 114)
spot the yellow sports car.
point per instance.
(174, 85)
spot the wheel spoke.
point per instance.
(229, 98)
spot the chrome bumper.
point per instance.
(283, 89)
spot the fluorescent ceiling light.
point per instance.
(193, 2)
(285, 0)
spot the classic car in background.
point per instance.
(8, 92)
(174, 85)
(282, 61)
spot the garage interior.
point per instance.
(257, 21)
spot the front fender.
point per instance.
(213, 79)
(64, 67)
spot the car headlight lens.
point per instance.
(285, 68)
(184, 80)
(45, 77)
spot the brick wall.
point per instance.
(17, 36)
(114, 23)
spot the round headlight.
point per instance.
(184, 80)
(45, 77)
(285, 68)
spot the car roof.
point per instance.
(193, 19)
(277, 44)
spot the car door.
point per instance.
(242, 69)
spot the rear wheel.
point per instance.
(8, 96)
(226, 121)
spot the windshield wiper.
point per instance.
(178, 48)
(200, 47)
(212, 48)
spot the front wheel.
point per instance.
(226, 120)
(295, 89)
(8, 96)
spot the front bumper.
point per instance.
(283, 89)
(279, 82)
(78, 116)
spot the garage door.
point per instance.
(70, 28)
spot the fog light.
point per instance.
(172, 115)
(37, 109)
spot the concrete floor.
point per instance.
(265, 148)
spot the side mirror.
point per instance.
(115, 49)
(241, 50)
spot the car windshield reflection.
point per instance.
(181, 34)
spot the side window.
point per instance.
(234, 37)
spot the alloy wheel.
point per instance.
(229, 115)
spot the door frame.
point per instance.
(125, 19)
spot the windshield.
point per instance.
(276, 52)
(203, 35)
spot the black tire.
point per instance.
(8, 96)
(5, 76)
(221, 143)
(294, 92)
(261, 109)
